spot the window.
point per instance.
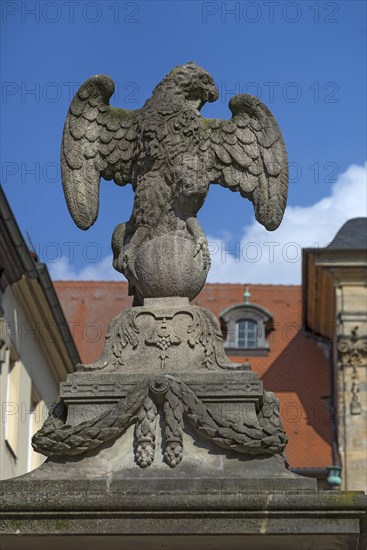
(12, 406)
(246, 333)
(2, 332)
(245, 329)
(35, 423)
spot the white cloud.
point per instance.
(275, 257)
(99, 271)
(264, 257)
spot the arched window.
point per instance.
(246, 329)
(246, 333)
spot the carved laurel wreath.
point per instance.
(178, 402)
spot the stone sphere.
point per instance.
(166, 266)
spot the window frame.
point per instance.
(247, 312)
(246, 337)
(11, 427)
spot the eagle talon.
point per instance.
(125, 262)
(202, 246)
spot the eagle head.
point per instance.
(193, 82)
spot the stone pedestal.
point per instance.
(164, 373)
(164, 443)
(120, 511)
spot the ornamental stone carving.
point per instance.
(164, 358)
(353, 355)
(262, 436)
(170, 154)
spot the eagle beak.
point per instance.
(213, 95)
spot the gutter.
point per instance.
(54, 304)
(40, 272)
(311, 472)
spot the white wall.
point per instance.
(36, 373)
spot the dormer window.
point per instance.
(247, 327)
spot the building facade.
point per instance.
(36, 347)
(335, 312)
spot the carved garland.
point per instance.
(59, 439)
(145, 429)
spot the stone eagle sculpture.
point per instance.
(170, 155)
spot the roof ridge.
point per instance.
(87, 282)
(103, 282)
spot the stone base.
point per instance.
(164, 371)
(163, 443)
(210, 500)
(165, 334)
(119, 421)
(116, 512)
(198, 542)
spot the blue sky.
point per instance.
(305, 60)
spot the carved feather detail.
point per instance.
(170, 155)
(94, 136)
(248, 155)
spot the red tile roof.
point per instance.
(296, 368)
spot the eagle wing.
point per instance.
(98, 141)
(248, 154)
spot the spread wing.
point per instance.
(248, 154)
(98, 140)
